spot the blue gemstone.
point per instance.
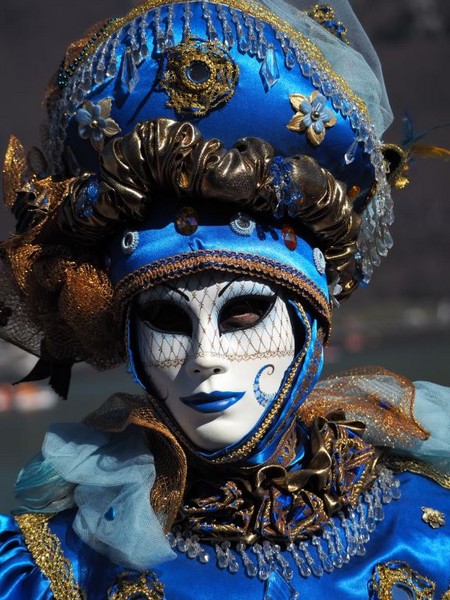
(269, 71)
(349, 156)
(316, 80)
(243, 44)
(228, 39)
(355, 120)
(110, 514)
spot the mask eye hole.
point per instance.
(165, 317)
(244, 312)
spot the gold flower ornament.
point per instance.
(311, 116)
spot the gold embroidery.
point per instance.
(145, 586)
(400, 465)
(199, 77)
(434, 518)
(47, 553)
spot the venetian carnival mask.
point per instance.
(215, 349)
(160, 168)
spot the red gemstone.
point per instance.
(289, 237)
(186, 221)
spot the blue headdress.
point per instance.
(237, 136)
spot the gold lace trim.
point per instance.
(48, 555)
(400, 465)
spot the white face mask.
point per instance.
(216, 348)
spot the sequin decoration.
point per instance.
(130, 242)
(289, 237)
(392, 578)
(434, 518)
(143, 586)
(242, 225)
(199, 76)
(186, 221)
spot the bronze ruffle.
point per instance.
(54, 264)
(278, 504)
(269, 502)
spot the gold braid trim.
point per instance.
(48, 555)
(401, 465)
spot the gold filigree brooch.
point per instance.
(199, 76)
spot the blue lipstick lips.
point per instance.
(212, 402)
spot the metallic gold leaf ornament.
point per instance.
(397, 576)
(434, 518)
(199, 76)
(14, 170)
(311, 116)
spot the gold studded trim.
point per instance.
(401, 465)
(254, 10)
(48, 555)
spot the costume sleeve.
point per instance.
(20, 577)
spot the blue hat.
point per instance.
(299, 80)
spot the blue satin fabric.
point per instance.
(20, 578)
(402, 535)
(245, 114)
(161, 244)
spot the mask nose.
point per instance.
(206, 365)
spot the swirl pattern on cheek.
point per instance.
(263, 398)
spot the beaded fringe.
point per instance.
(345, 536)
(230, 26)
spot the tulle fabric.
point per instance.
(114, 475)
(357, 62)
(432, 404)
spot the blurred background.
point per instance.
(401, 321)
